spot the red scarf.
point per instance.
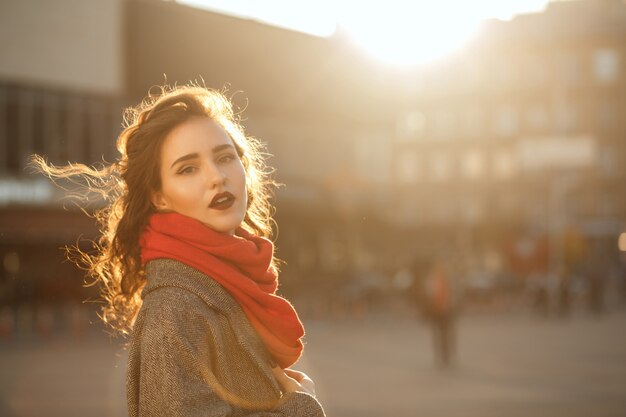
(241, 264)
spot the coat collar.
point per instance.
(165, 272)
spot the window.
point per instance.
(605, 65)
(565, 118)
(607, 162)
(606, 114)
(503, 165)
(26, 100)
(472, 210)
(77, 138)
(569, 68)
(411, 125)
(96, 126)
(408, 168)
(537, 117)
(473, 165)
(440, 166)
(472, 121)
(50, 124)
(506, 123)
(12, 131)
(373, 158)
(535, 69)
(3, 129)
(444, 123)
(62, 126)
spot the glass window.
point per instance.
(606, 114)
(473, 164)
(440, 166)
(372, 155)
(472, 121)
(26, 100)
(12, 132)
(536, 70)
(566, 118)
(537, 117)
(408, 167)
(95, 126)
(411, 125)
(607, 161)
(444, 123)
(472, 209)
(569, 68)
(503, 165)
(506, 123)
(443, 211)
(3, 129)
(75, 130)
(605, 65)
(50, 124)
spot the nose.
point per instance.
(215, 177)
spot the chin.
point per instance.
(224, 227)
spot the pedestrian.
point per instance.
(187, 268)
(441, 297)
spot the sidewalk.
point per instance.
(508, 365)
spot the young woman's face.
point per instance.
(202, 176)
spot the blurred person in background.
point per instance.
(186, 266)
(441, 306)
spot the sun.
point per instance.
(409, 33)
(399, 32)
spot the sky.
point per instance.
(398, 32)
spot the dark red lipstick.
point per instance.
(222, 201)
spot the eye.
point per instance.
(226, 158)
(187, 170)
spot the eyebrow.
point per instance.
(195, 155)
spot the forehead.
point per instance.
(196, 135)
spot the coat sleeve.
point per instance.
(176, 349)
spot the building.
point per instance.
(64, 86)
(61, 85)
(520, 136)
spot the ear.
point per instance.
(159, 201)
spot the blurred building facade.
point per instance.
(502, 149)
(61, 82)
(518, 141)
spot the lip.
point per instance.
(228, 201)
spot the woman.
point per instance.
(186, 267)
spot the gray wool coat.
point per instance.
(193, 352)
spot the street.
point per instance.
(381, 365)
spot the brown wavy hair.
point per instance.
(126, 186)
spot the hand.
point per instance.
(294, 381)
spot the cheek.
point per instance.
(181, 193)
(243, 183)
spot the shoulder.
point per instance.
(177, 300)
(175, 304)
(180, 300)
(168, 278)
(175, 315)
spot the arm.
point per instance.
(179, 350)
